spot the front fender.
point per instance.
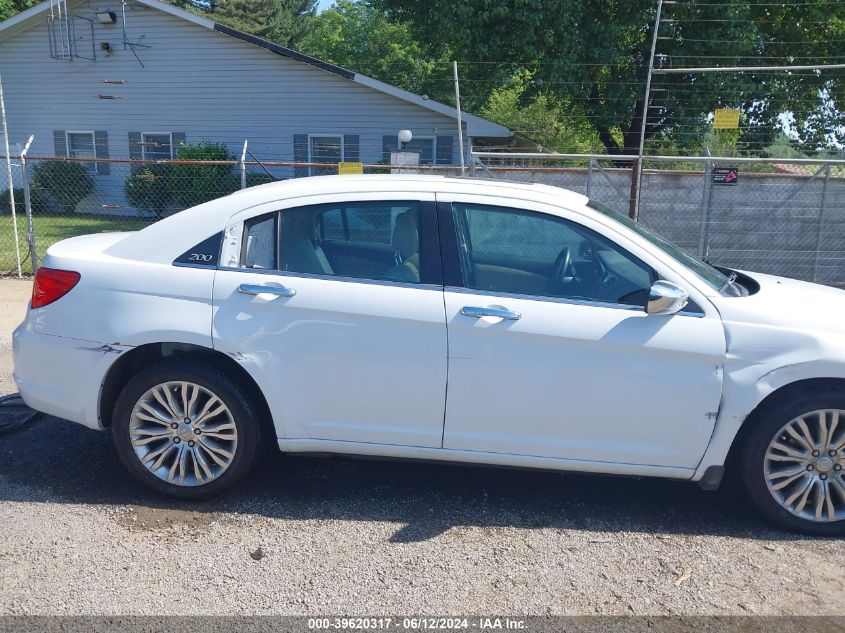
(743, 394)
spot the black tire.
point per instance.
(243, 412)
(765, 424)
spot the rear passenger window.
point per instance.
(259, 243)
(367, 240)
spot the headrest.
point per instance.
(406, 235)
(309, 225)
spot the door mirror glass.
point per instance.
(666, 298)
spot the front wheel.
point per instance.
(793, 463)
(185, 430)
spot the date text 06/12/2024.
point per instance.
(417, 623)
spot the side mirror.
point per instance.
(666, 298)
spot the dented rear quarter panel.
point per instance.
(128, 302)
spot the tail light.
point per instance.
(51, 285)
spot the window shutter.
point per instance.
(135, 150)
(101, 150)
(300, 154)
(179, 141)
(389, 143)
(135, 146)
(60, 142)
(351, 148)
(444, 151)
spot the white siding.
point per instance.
(193, 80)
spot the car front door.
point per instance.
(551, 353)
(336, 308)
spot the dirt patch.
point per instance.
(146, 519)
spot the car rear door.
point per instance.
(569, 367)
(335, 305)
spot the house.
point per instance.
(135, 79)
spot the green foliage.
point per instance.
(359, 37)
(8, 8)
(783, 147)
(284, 22)
(149, 188)
(37, 200)
(191, 185)
(596, 53)
(158, 187)
(253, 179)
(546, 119)
(66, 182)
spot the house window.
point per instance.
(157, 146)
(81, 145)
(425, 147)
(324, 148)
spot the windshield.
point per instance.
(711, 276)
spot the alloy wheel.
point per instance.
(183, 433)
(804, 466)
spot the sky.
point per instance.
(324, 4)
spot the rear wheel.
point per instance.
(185, 430)
(793, 462)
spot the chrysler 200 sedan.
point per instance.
(440, 319)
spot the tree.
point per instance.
(284, 22)
(596, 53)
(546, 119)
(359, 37)
(8, 8)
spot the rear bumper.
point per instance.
(61, 376)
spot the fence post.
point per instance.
(243, 164)
(27, 201)
(704, 231)
(10, 177)
(590, 178)
(820, 232)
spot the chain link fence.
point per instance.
(76, 196)
(775, 216)
(778, 216)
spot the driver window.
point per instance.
(528, 253)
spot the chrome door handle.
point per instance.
(499, 313)
(252, 289)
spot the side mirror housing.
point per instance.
(666, 298)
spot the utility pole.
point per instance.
(460, 124)
(637, 174)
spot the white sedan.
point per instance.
(441, 319)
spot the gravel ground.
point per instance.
(330, 536)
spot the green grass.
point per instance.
(51, 229)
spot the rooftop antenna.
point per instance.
(59, 31)
(127, 43)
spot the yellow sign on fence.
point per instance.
(350, 168)
(726, 119)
